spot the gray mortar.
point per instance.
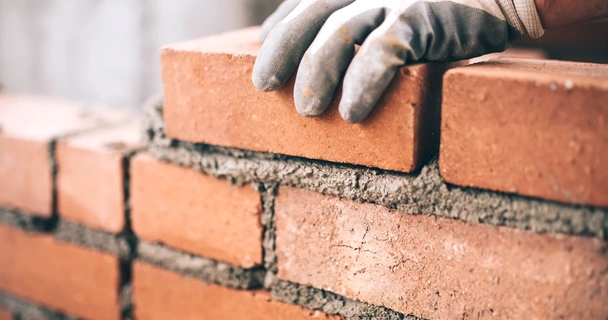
(26, 310)
(24, 221)
(126, 301)
(96, 239)
(268, 243)
(332, 303)
(201, 268)
(423, 192)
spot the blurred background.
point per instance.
(106, 51)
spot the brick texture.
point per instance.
(209, 98)
(5, 315)
(27, 126)
(536, 128)
(162, 294)
(518, 53)
(61, 276)
(437, 268)
(91, 176)
(194, 212)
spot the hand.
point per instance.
(320, 36)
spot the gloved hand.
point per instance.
(320, 36)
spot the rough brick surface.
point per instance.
(27, 126)
(536, 128)
(519, 53)
(162, 294)
(209, 98)
(437, 268)
(5, 315)
(196, 213)
(91, 176)
(61, 276)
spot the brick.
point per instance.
(5, 315)
(27, 125)
(90, 176)
(536, 128)
(519, 53)
(60, 276)
(209, 98)
(193, 212)
(437, 268)
(162, 294)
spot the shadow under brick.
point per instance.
(423, 192)
(201, 268)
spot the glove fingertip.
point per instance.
(266, 84)
(351, 113)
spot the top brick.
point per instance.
(532, 127)
(27, 127)
(209, 98)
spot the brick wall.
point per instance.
(231, 206)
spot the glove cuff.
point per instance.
(528, 15)
(523, 16)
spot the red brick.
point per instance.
(5, 315)
(90, 176)
(61, 276)
(193, 212)
(437, 268)
(162, 294)
(519, 53)
(536, 128)
(209, 98)
(27, 125)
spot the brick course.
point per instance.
(436, 268)
(61, 276)
(162, 294)
(196, 213)
(535, 128)
(28, 125)
(209, 98)
(91, 176)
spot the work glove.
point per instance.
(320, 37)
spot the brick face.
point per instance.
(437, 268)
(536, 128)
(27, 126)
(91, 175)
(61, 276)
(161, 294)
(5, 315)
(209, 98)
(196, 213)
(25, 172)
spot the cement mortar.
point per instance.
(26, 310)
(94, 239)
(332, 303)
(268, 242)
(126, 301)
(25, 222)
(201, 268)
(423, 192)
